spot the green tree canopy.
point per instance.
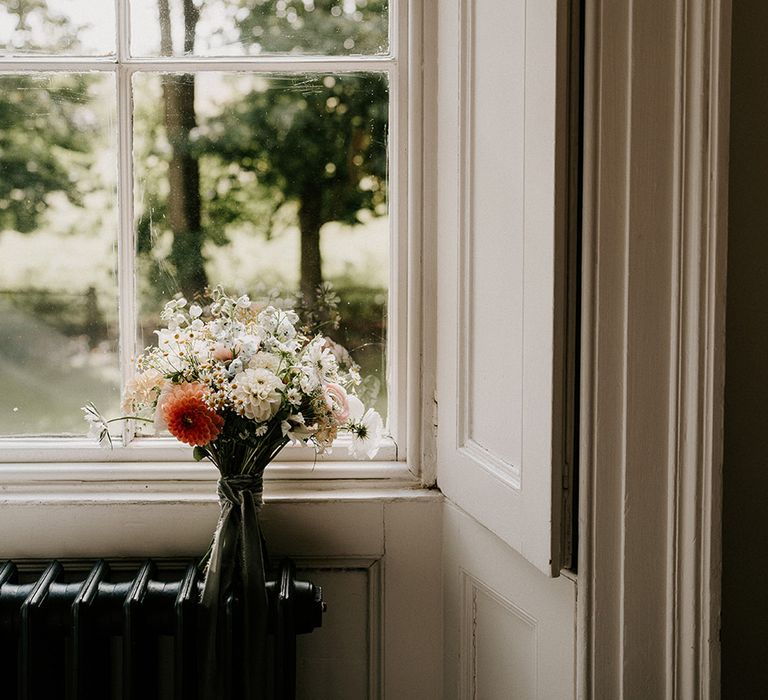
(329, 27)
(42, 129)
(317, 140)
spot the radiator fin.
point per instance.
(84, 630)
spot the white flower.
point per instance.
(256, 394)
(142, 390)
(309, 380)
(195, 311)
(97, 425)
(265, 360)
(320, 357)
(159, 422)
(366, 428)
(285, 330)
(248, 346)
(175, 322)
(294, 396)
(235, 367)
(267, 319)
(318, 366)
(179, 344)
(289, 346)
(260, 431)
(296, 429)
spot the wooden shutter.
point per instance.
(501, 246)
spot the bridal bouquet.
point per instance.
(239, 380)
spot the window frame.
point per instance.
(154, 459)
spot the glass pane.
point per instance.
(259, 27)
(58, 233)
(267, 182)
(57, 27)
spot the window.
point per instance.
(155, 146)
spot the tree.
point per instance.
(183, 206)
(319, 141)
(325, 27)
(316, 141)
(42, 134)
(38, 29)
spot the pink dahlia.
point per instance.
(188, 417)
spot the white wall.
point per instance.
(377, 557)
(509, 630)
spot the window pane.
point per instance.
(262, 182)
(58, 232)
(254, 27)
(58, 27)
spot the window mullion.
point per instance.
(399, 290)
(264, 64)
(250, 64)
(126, 247)
(51, 64)
(122, 29)
(418, 409)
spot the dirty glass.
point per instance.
(58, 234)
(267, 183)
(259, 27)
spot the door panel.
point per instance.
(501, 237)
(509, 631)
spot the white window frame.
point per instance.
(27, 460)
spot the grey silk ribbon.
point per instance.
(237, 555)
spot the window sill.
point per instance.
(170, 509)
(41, 518)
(176, 482)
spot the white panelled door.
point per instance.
(501, 278)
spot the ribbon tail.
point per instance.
(218, 583)
(255, 602)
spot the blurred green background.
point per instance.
(251, 181)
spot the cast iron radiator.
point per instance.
(129, 629)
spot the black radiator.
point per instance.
(123, 629)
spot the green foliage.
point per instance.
(36, 28)
(308, 136)
(44, 128)
(331, 27)
(42, 135)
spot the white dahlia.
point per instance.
(256, 393)
(265, 360)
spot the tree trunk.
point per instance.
(184, 205)
(310, 221)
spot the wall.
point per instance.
(376, 555)
(745, 526)
(509, 630)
